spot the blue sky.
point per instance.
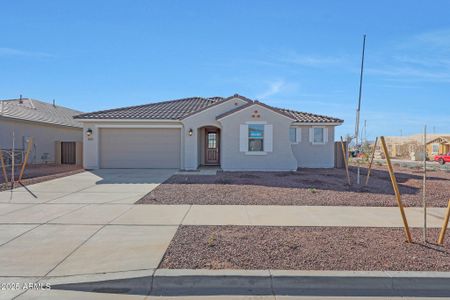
(92, 55)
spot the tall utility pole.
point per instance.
(358, 108)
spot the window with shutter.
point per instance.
(256, 137)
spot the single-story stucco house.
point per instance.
(56, 136)
(235, 133)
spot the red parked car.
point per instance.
(442, 159)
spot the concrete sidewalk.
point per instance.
(256, 215)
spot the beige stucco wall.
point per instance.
(280, 159)
(44, 137)
(311, 155)
(201, 119)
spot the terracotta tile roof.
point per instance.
(38, 111)
(167, 110)
(303, 117)
(182, 108)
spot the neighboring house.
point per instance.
(56, 136)
(438, 146)
(234, 133)
(409, 147)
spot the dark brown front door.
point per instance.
(68, 155)
(212, 147)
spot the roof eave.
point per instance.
(318, 123)
(39, 122)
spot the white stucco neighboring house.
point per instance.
(55, 135)
(235, 133)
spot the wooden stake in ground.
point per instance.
(372, 156)
(424, 184)
(344, 153)
(13, 178)
(5, 175)
(30, 140)
(396, 190)
(444, 225)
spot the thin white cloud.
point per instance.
(411, 72)
(436, 38)
(17, 52)
(422, 57)
(273, 89)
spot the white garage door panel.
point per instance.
(139, 148)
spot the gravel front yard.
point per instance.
(303, 248)
(40, 173)
(303, 187)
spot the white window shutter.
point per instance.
(311, 135)
(268, 138)
(325, 135)
(243, 138)
(299, 134)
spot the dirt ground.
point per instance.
(303, 187)
(40, 173)
(304, 248)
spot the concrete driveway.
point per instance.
(84, 227)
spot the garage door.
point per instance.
(139, 148)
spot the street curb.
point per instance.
(215, 282)
(171, 282)
(285, 282)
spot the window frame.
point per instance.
(432, 148)
(314, 135)
(297, 134)
(249, 125)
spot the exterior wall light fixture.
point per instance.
(190, 132)
(89, 132)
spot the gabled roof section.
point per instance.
(237, 109)
(296, 116)
(37, 111)
(167, 110)
(440, 140)
(235, 96)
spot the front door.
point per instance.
(68, 155)
(212, 147)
